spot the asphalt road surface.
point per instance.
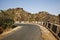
(27, 32)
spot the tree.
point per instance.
(5, 19)
(36, 19)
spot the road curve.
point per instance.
(27, 32)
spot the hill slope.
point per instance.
(19, 14)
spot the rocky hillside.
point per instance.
(19, 14)
(45, 16)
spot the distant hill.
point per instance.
(19, 14)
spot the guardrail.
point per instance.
(54, 28)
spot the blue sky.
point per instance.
(33, 6)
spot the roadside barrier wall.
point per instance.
(54, 28)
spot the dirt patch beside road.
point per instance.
(46, 34)
(7, 32)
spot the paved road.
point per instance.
(27, 32)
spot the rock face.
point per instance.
(19, 14)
